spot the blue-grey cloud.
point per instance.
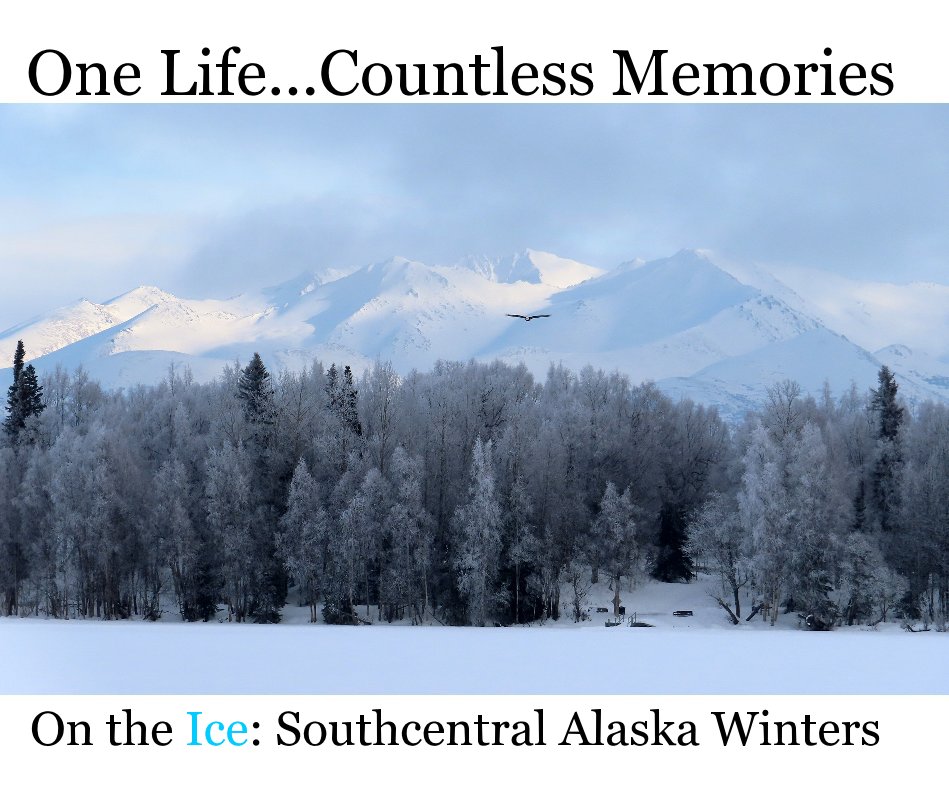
(212, 198)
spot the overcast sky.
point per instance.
(211, 200)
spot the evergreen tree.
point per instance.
(19, 355)
(267, 482)
(341, 398)
(350, 411)
(883, 401)
(343, 435)
(255, 390)
(889, 459)
(24, 397)
(332, 387)
(127, 496)
(31, 393)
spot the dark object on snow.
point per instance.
(682, 612)
(640, 624)
(612, 623)
(755, 610)
(815, 624)
(602, 609)
(528, 318)
(622, 611)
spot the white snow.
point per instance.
(700, 654)
(717, 335)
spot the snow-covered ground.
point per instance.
(700, 654)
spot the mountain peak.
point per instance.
(533, 267)
(682, 317)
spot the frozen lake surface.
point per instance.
(701, 654)
(142, 658)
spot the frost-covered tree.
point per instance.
(407, 543)
(365, 520)
(133, 503)
(865, 581)
(523, 552)
(577, 577)
(342, 398)
(478, 525)
(717, 542)
(229, 514)
(181, 546)
(303, 537)
(919, 543)
(614, 532)
(766, 517)
(14, 552)
(820, 518)
(256, 392)
(379, 409)
(795, 513)
(94, 535)
(45, 556)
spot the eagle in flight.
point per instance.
(528, 318)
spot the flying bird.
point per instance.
(528, 318)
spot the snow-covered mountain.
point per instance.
(715, 334)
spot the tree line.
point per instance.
(467, 494)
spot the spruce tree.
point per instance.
(19, 355)
(256, 393)
(889, 460)
(31, 393)
(255, 390)
(332, 387)
(14, 421)
(883, 402)
(341, 398)
(268, 583)
(349, 410)
(25, 395)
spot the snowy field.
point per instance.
(701, 654)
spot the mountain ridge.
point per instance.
(718, 334)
